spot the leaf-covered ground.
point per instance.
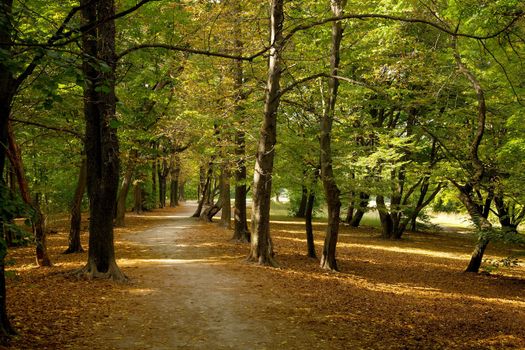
(190, 288)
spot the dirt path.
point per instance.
(182, 298)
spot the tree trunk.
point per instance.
(387, 225)
(477, 255)
(6, 99)
(261, 248)
(364, 199)
(154, 183)
(182, 196)
(328, 260)
(42, 257)
(478, 167)
(74, 244)
(504, 215)
(38, 222)
(226, 213)
(482, 223)
(351, 208)
(101, 142)
(310, 245)
(174, 182)
(301, 211)
(163, 172)
(241, 233)
(137, 197)
(124, 189)
(205, 190)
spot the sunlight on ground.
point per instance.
(161, 216)
(132, 262)
(404, 250)
(141, 291)
(421, 292)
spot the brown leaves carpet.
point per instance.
(409, 294)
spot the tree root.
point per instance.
(90, 271)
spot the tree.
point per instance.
(331, 190)
(101, 143)
(261, 250)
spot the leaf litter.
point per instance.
(188, 285)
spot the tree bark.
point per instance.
(101, 143)
(154, 182)
(182, 196)
(241, 233)
(310, 244)
(174, 182)
(137, 197)
(120, 216)
(301, 211)
(478, 167)
(504, 215)
(364, 199)
(205, 190)
(261, 248)
(162, 171)
(74, 244)
(7, 90)
(328, 260)
(38, 222)
(226, 213)
(387, 225)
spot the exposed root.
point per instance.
(90, 271)
(329, 264)
(263, 261)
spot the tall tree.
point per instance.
(331, 190)
(101, 143)
(261, 250)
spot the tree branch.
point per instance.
(43, 126)
(442, 28)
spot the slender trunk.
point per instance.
(351, 208)
(163, 171)
(261, 248)
(182, 197)
(328, 260)
(226, 213)
(174, 183)
(204, 189)
(38, 222)
(364, 199)
(124, 189)
(310, 245)
(101, 142)
(478, 168)
(301, 211)
(241, 232)
(137, 197)
(42, 257)
(154, 183)
(74, 244)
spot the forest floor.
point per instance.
(190, 288)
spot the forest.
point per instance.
(279, 163)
